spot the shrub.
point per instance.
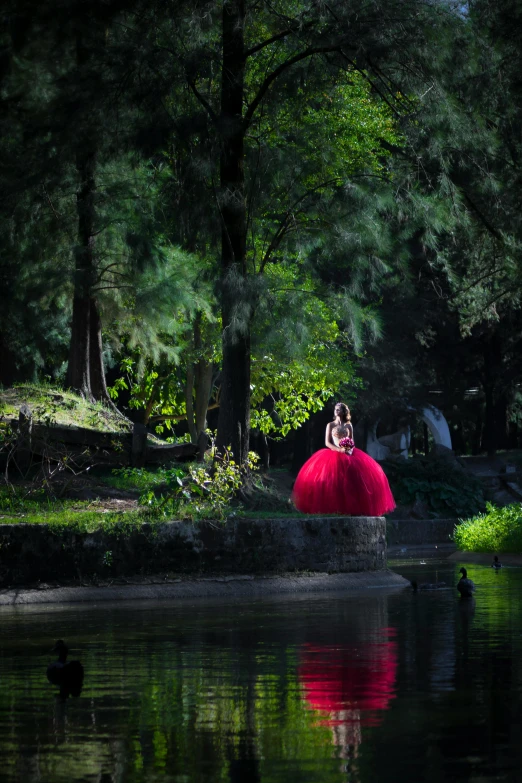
(205, 492)
(497, 530)
(445, 488)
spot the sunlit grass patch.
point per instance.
(497, 530)
(123, 522)
(54, 406)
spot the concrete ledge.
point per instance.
(34, 553)
(228, 587)
(419, 531)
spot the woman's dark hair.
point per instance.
(345, 411)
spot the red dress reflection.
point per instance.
(352, 683)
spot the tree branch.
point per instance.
(206, 105)
(180, 416)
(483, 218)
(283, 225)
(276, 73)
(277, 37)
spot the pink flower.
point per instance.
(346, 443)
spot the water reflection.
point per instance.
(397, 687)
(350, 687)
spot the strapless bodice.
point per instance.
(338, 433)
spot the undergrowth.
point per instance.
(496, 530)
(447, 490)
(145, 480)
(193, 492)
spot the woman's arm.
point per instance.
(328, 439)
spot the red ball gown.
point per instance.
(333, 482)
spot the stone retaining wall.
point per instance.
(33, 553)
(419, 531)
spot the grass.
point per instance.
(497, 530)
(165, 493)
(19, 506)
(244, 512)
(84, 522)
(52, 405)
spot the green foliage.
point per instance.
(496, 530)
(144, 480)
(157, 385)
(301, 352)
(446, 490)
(205, 492)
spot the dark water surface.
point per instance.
(362, 687)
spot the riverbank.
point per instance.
(231, 587)
(486, 558)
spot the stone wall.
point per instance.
(33, 553)
(419, 531)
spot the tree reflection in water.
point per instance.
(311, 690)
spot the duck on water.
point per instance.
(68, 676)
(465, 586)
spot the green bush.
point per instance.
(446, 489)
(498, 530)
(206, 491)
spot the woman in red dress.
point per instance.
(342, 479)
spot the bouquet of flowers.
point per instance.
(346, 443)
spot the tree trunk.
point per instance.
(198, 386)
(234, 409)
(189, 403)
(78, 369)
(97, 370)
(85, 372)
(203, 387)
(203, 373)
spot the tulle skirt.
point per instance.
(332, 482)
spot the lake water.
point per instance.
(360, 687)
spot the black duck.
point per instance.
(465, 586)
(67, 675)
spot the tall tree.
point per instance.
(238, 65)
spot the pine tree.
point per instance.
(233, 68)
